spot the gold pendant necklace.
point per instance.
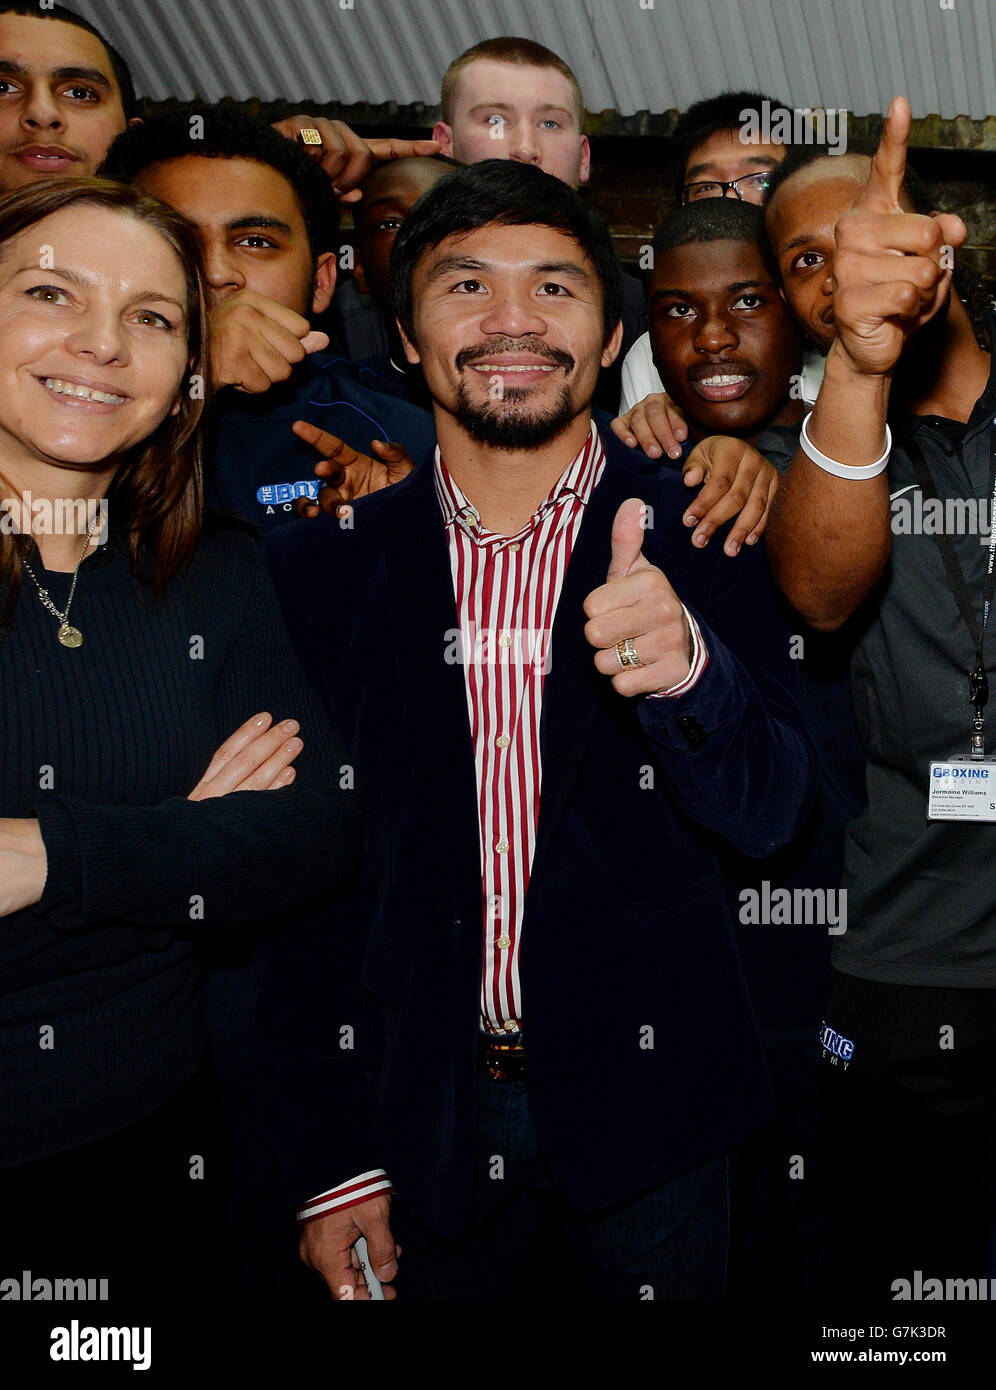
(68, 635)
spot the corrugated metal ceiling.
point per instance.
(629, 55)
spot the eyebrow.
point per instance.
(93, 75)
(83, 282)
(806, 239)
(241, 224)
(156, 297)
(764, 159)
(450, 263)
(737, 287)
(507, 106)
(389, 202)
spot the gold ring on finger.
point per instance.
(626, 655)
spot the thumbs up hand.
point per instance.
(892, 267)
(636, 602)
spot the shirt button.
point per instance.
(503, 740)
(510, 1025)
(503, 943)
(514, 546)
(504, 640)
(502, 846)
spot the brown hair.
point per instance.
(159, 488)
(506, 49)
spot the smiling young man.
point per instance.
(65, 94)
(550, 747)
(722, 338)
(709, 160)
(267, 221)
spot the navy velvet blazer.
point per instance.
(643, 1051)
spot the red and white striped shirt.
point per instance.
(507, 589)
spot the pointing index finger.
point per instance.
(389, 148)
(329, 445)
(888, 168)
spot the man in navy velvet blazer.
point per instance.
(524, 1050)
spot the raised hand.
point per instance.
(345, 156)
(892, 268)
(346, 473)
(256, 342)
(637, 602)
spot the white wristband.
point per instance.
(842, 470)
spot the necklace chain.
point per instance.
(68, 636)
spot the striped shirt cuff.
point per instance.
(700, 660)
(347, 1194)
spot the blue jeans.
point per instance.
(524, 1243)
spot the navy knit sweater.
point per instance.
(100, 1014)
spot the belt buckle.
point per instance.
(505, 1061)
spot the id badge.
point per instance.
(962, 788)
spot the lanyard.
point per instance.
(978, 683)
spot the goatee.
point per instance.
(505, 428)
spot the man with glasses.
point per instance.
(749, 188)
(709, 157)
(709, 160)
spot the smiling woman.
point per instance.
(137, 680)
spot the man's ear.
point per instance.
(585, 173)
(444, 134)
(324, 282)
(611, 349)
(136, 120)
(359, 274)
(411, 351)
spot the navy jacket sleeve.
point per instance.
(314, 1022)
(732, 747)
(318, 1048)
(146, 864)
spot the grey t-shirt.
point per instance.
(921, 895)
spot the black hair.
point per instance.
(716, 219)
(502, 193)
(119, 67)
(705, 118)
(228, 134)
(445, 161)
